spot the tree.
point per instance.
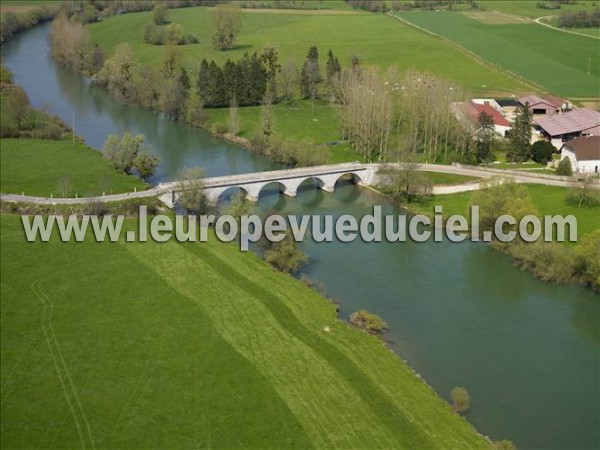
(587, 254)
(520, 135)
(15, 108)
(461, 402)
(227, 22)
(269, 58)
(564, 168)
(333, 67)
(128, 152)
(285, 256)
(266, 117)
(234, 118)
(237, 206)
(583, 193)
(160, 14)
(117, 71)
(289, 76)
(145, 164)
(499, 196)
(70, 43)
(191, 190)
(404, 182)
(369, 322)
(97, 59)
(64, 186)
(175, 34)
(541, 151)
(485, 137)
(310, 75)
(366, 113)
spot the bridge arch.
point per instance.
(227, 194)
(349, 177)
(271, 187)
(309, 183)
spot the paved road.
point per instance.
(518, 176)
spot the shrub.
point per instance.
(549, 261)
(285, 256)
(504, 444)
(367, 321)
(541, 152)
(461, 402)
(564, 168)
(587, 254)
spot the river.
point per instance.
(528, 352)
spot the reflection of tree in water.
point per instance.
(586, 317)
(227, 195)
(346, 191)
(309, 193)
(492, 276)
(272, 197)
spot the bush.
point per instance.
(285, 256)
(548, 261)
(367, 321)
(564, 168)
(461, 402)
(504, 444)
(587, 254)
(541, 152)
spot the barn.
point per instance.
(584, 153)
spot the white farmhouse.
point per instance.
(584, 153)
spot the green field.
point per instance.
(193, 345)
(535, 52)
(448, 178)
(528, 8)
(36, 167)
(375, 38)
(549, 200)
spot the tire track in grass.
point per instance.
(336, 402)
(81, 422)
(380, 403)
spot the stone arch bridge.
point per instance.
(289, 181)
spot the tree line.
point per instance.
(579, 19)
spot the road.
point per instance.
(518, 176)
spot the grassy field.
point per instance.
(594, 32)
(193, 346)
(528, 8)
(375, 38)
(448, 178)
(36, 166)
(549, 200)
(19, 6)
(537, 53)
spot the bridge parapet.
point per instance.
(289, 179)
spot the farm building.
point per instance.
(584, 153)
(544, 106)
(561, 128)
(471, 111)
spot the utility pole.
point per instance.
(73, 129)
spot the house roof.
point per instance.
(576, 121)
(535, 101)
(473, 110)
(586, 148)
